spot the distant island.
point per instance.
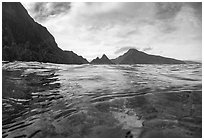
(133, 56)
(23, 39)
(103, 60)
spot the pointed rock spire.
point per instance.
(103, 60)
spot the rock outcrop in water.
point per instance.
(24, 39)
(133, 56)
(103, 60)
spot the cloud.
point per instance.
(91, 29)
(167, 10)
(42, 11)
(124, 49)
(147, 49)
(197, 7)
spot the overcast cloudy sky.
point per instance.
(92, 29)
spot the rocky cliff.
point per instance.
(23, 39)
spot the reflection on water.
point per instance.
(55, 100)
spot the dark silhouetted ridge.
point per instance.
(24, 39)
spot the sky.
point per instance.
(92, 29)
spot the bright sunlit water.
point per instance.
(56, 100)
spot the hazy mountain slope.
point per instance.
(133, 56)
(192, 62)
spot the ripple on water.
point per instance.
(54, 100)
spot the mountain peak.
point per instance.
(133, 50)
(104, 57)
(103, 60)
(133, 56)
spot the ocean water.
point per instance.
(57, 100)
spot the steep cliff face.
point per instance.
(25, 40)
(103, 60)
(133, 56)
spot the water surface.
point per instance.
(56, 100)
